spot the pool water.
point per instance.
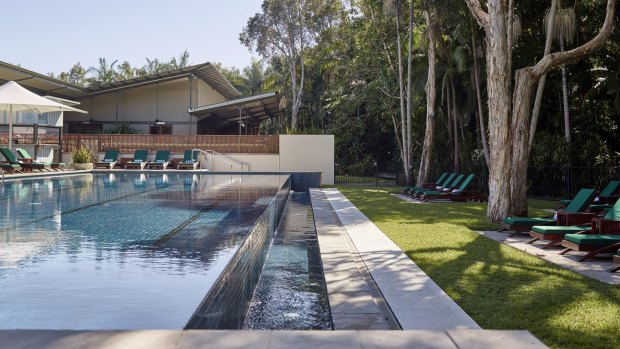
(120, 251)
(291, 292)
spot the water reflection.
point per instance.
(116, 251)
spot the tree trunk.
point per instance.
(455, 120)
(481, 122)
(401, 88)
(499, 112)
(543, 79)
(522, 100)
(431, 95)
(565, 108)
(409, 87)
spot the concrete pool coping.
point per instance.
(231, 339)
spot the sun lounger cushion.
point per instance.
(555, 230)
(592, 239)
(526, 221)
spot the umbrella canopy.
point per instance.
(15, 98)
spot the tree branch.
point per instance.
(476, 10)
(557, 59)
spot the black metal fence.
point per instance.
(549, 182)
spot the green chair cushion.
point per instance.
(556, 230)
(583, 198)
(599, 207)
(618, 253)
(526, 221)
(592, 239)
(610, 189)
(565, 202)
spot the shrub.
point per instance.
(81, 155)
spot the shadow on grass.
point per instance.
(498, 286)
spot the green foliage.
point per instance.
(81, 155)
(121, 128)
(106, 72)
(498, 286)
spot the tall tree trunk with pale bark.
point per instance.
(431, 96)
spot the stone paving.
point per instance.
(208, 339)
(595, 268)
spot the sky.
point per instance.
(51, 36)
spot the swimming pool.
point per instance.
(125, 250)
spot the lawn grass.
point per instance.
(498, 286)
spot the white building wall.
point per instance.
(314, 153)
(140, 106)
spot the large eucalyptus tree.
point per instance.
(509, 127)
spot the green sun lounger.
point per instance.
(450, 194)
(110, 158)
(11, 159)
(139, 160)
(162, 159)
(606, 196)
(594, 244)
(439, 181)
(572, 215)
(25, 156)
(555, 234)
(443, 189)
(448, 179)
(190, 161)
(10, 168)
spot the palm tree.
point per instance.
(104, 74)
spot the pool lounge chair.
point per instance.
(444, 189)
(139, 160)
(162, 159)
(573, 215)
(594, 244)
(110, 158)
(608, 195)
(10, 168)
(25, 157)
(436, 183)
(189, 161)
(11, 159)
(616, 265)
(598, 225)
(462, 193)
(440, 184)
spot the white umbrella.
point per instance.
(15, 98)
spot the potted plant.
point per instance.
(81, 159)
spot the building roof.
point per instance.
(265, 106)
(39, 83)
(43, 84)
(206, 72)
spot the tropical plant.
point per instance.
(81, 155)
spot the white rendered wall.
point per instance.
(312, 153)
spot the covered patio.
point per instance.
(241, 116)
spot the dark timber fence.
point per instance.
(551, 182)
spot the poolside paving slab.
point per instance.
(596, 268)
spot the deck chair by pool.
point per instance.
(573, 215)
(616, 265)
(440, 184)
(432, 185)
(162, 159)
(598, 225)
(607, 196)
(139, 160)
(25, 156)
(190, 161)
(462, 193)
(11, 159)
(110, 158)
(594, 244)
(444, 189)
(10, 168)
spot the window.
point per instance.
(161, 130)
